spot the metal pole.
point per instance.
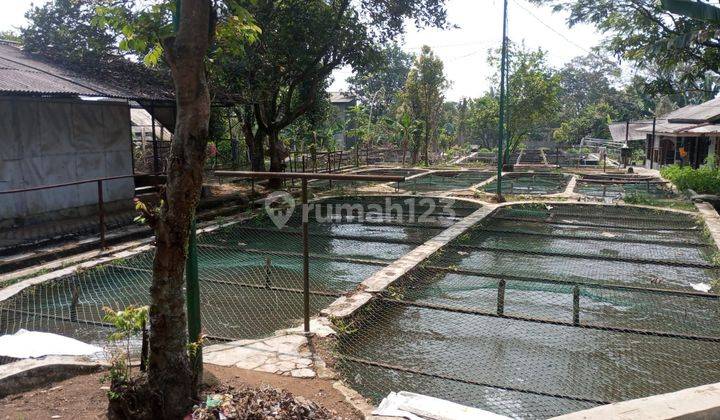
(306, 257)
(101, 209)
(501, 125)
(156, 150)
(192, 291)
(652, 145)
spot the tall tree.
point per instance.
(169, 374)
(651, 37)
(533, 103)
(97, 32)
(63, 31)
(483, 114)
(302, 42)
(424, 95)
(380, 82)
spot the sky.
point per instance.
(463, 50)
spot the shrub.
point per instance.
(705, 180)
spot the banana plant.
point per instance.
(696, 10)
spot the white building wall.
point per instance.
(46, 141)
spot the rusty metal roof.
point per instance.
(704, 113)
(683, 129)
(29, 75)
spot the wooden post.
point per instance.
(156, 151)
(75, 293)
(267, 272)
(501, 298)
(576, 305)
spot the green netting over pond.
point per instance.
(250, 273)
(542, 310)
(353, 186)
(444, 181)
(621, 190)
(531, 183)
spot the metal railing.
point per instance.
(100, 197)
(305, 177)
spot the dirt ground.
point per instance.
(83, 397)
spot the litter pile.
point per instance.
(254, 403)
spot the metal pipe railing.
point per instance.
(100, 197)
(305, 177)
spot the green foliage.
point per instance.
(128, 323)
(64, 31)
(705, 180)
(285, 72)
(533, 99)
(593, 121)
(423, 98)
(381, 81)
(677, 52)
(10, 35)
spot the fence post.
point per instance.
(101, 209)
(501, 298)
(306, 257)
(576, 305)
(268, 265)
(75, 293)
(192, 290)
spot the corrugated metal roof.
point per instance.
(705, 112)
(666, 127)
(24, 74)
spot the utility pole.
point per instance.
(501, 125)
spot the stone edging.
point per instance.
(27, 374)
(702, 402)
(712, 220)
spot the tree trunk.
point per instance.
(275, 150)
(426, 143)
(258, 151)
(169, 374)
(255, 141)
(404, 148)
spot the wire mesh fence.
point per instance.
(533, 320)
(251, 275)
(445, 181)
(531, 183)
(616, 187)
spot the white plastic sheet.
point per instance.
(26, 344)
(421, 407)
